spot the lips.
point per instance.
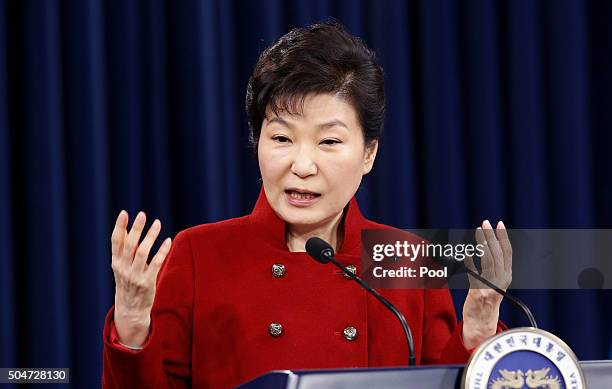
(301, 197)
(301, 193)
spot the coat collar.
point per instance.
(271, 227)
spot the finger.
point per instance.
(131, 242)
(119, 233)
(486, 261)
(493, 244)
(504, 242)
(142, 252)
(159, 258)
(469, 264)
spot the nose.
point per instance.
(304, 164)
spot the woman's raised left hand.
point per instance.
(481, 307)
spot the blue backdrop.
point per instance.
(497, 110)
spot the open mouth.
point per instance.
(299, 194)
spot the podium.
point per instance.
(598, 374)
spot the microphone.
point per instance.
(319, 250)
(322, 251)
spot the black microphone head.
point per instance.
(319, 249)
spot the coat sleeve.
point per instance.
(442, 339)
(165, 359)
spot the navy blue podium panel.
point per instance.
(598, 374)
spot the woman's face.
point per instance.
(312, 164)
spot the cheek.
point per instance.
(345, 172)
(346, 164)
(272, 164)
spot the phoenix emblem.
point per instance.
(531, 378)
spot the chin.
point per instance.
(302, 217)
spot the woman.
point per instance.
(240, 297)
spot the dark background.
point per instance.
(496, 109)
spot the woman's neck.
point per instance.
(330, 231)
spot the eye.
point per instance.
(281, 139)
(330, 142)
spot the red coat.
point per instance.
(217, 297)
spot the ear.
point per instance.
(370, 155)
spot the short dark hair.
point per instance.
(321, 58)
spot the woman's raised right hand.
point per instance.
(135, 280)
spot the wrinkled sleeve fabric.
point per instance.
(165, 359)
(442, 340)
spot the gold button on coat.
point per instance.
(278, 270)
(352, 269)
(350, 333)
(275, 329)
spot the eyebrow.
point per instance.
(331, 123)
